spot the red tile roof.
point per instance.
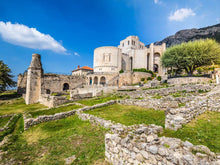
(83, 68)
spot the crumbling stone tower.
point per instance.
(34, 77)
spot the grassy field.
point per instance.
(9, 95)
(18, 106)
(52, 142)
(204, 130)
(52, 111)
(129, 115)
(3, 121)
(98, 100)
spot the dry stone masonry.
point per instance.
(157, 104)
(176, 117)
(142, 146)
(29, 122)
(168, 91)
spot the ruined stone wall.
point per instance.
(22, 83)
(143, 146)
(52, 101)
(34, 80)
(136, 76)
(176, 117)
(29, 122)
(52, 82)
(129, 78)
(167, 91)
(55, 82)
(187, 80)
(157, 104)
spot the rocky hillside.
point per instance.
(192, 34)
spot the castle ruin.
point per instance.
(109, 63)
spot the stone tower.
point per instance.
(34, 75)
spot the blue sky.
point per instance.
(66, 32)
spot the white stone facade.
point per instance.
(130, 54)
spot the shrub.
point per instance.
(201, 91)
(199, 71)
(142, 79)
(149, 78)
(144, 70)
(159, 78)
(121, 71)
(140, 70)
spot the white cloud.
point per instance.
(181, 14)
(76, 54)
(22, 35)
(157, 2)
(218, 20)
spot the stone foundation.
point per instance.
(29, 122)
(176, 117)
(187, 80)
(52, 101)
(142, 146)
(168, 91)
(157, 104)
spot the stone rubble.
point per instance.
(145, 147)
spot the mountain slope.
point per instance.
(191, 35)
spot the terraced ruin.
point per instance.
(167, 125)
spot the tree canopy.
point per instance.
(191, 55)
(5, 77)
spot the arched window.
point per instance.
(102, 80)
(95, 80)
(155, 68)
(90, 81)
(47, 91)
(66, 87)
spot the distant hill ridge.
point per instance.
(191, 35)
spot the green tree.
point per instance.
(5, 77)
(189, 56)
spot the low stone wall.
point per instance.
(167, 91)
(29, 122)
(176, 117)
(45, 118)
(143, 146)
(9, 121)
(187, 80)
(129, 78)
(52, 101)
(157, 104)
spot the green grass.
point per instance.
(181, 105)
(52, 142)
(4, 121)
(98, 100)
(52, 111)
(9, 95)
(18, 106)
(129, 115)
(11, 127)
(157, 96)
(201, 131)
